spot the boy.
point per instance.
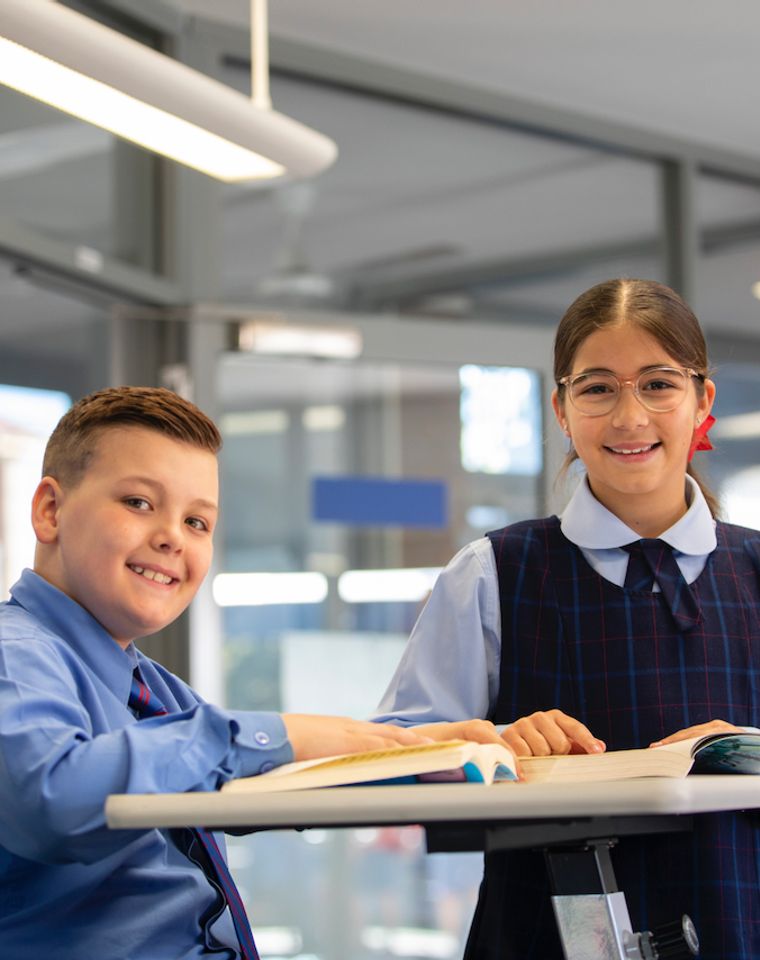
(124, 517)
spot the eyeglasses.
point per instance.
(659, 389)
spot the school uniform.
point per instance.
(70, 887)
(570, 635)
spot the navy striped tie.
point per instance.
(146, 704)
(650, 560)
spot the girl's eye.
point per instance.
(658, 385)
(594, 388)
(139, 503)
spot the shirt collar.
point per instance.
(590, 525)
(78, 629)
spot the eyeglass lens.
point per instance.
(659, 390)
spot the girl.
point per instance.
(632, 620)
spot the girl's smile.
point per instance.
(635, 457)
(634, 453)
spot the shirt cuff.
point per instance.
(261, 741)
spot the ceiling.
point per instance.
(430, 211)
(454, 213)
(684, 67)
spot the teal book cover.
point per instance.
(728, 753)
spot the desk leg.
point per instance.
(591, 912)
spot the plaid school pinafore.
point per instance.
(614, 659)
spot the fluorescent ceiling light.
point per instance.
(74, 64)
(268, 589)
(275, 337)
(415, 942)
(387, 586)
(324, 418)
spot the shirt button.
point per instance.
(266, 767)
(261, 738)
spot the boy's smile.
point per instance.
(132, 541)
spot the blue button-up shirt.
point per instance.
(70, 887)
(450, 668)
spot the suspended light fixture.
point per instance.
(96, 74)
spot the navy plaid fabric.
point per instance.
(612, 657)
(198, 844)
(653, 559)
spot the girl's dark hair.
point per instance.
(653, 308)
(72, 444)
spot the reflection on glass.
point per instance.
(268, 589)
(387, 586)
(500, 410)
(71, 182)
(27, 418)
(367, 894)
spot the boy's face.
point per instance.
(132, 541)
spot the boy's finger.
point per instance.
(405, 736)
(481, 731)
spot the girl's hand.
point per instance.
(700, 730)
(546, 732)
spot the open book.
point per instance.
(715, 753)
(454, 761)
(444, 762)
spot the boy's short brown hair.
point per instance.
(72, 444)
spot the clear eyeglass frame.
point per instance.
(663, 400)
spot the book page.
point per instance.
(479, 761)
(672, 760)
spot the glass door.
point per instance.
(346, 486)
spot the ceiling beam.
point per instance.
(299, 58)
(386, 288)
(163, 16)
(85, 268)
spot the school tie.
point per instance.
(651, 560)
(146, 704)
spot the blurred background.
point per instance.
(494, 161)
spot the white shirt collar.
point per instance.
(590, 525)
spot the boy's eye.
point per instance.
(139, 503)
(196, 523)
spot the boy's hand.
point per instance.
(699, 730)
(550, 732)
(482, 731)
(313, 736)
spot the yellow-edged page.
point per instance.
(444, 761)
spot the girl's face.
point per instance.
(635, 459)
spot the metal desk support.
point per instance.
(591, 912)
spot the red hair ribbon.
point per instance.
(700, 440)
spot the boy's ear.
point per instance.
(46, 504)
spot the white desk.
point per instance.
(436, 803)
(572, 820)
